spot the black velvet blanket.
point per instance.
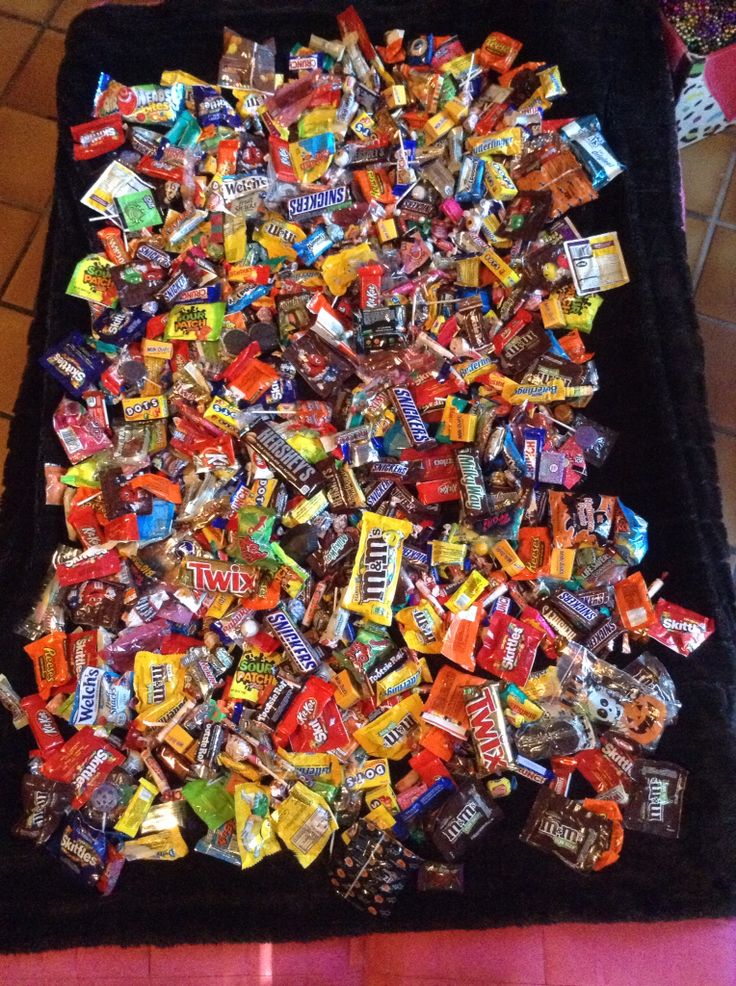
(663, 466)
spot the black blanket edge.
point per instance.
(24, 464)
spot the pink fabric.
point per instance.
(720, 78)
(687, 953)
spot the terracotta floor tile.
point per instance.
(23, 287)
(34, 10)
(13, 346)
(4, 432)
(34, 88)
(716, 295)
(703, 166)
(728, 210)
(27, 161)
(16, 226)
(67, 12)
(720, 355)
(694, 232)
(726, 454)
(15, 39)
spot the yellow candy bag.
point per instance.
(318, 766)
(382, 797)
(164, 846)
(312, 156)
(371, 774)
(304, 823)
(408, 675)
(277, 236)
(137, 808)
(157, 678)
(339, 270)
(422, 627)
(391, 734)
(253, 825)
(375, 574)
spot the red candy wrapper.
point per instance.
(678, 628)
(509, 648)
(98, 137)
(84, 761)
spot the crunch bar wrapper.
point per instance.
(375, 574)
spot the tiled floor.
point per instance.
(709, 174)
(32, 41)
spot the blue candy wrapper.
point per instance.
(631, 539)
(213, 110)
(592, 150)
(76, 367)
(88, 854)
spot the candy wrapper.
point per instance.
(370, 869)
(44, 805)
(94, 860)
(581, 838)
(339, 574)
(678, 628)
(655, 802)
(256, 837)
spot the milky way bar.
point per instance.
(283, 459)
(472, 484)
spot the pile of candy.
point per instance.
(332, 579)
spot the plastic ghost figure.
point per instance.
(602, 706)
